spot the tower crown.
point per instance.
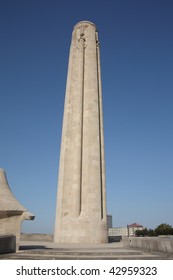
(84, 22)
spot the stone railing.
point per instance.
(155, 244)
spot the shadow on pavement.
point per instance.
(32, 247)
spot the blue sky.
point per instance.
(136, 39)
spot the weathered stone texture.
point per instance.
(12, 213)
(81, 201)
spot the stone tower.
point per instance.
(81, 200)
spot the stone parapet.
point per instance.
(156, 244)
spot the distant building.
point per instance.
(119, 231)
(124, 231)
(109, 221)
(133, 227)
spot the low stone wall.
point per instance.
(155, 244)
(36, 237)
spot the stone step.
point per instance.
(54, 254)
(39, 250)
(83, 257)
(81, 253)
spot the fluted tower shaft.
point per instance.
(81, 200)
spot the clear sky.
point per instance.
(136, 38)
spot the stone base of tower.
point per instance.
(81, 232)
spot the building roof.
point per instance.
(134, 225)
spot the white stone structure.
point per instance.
(119, 231)
(81, 201)
(133, 227)
(12, 213)
(125, 231)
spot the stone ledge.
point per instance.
(36, 237)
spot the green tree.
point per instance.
(164, 229)
(141, 232)
(151, 232)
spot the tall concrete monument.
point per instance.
(81, 200)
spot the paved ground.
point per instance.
(46, 250)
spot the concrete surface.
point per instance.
(47, 250)
(12, 213)
(156, 244)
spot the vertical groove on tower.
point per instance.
(81, 159)
(103, 191)
(81, 197)
(98, 80)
